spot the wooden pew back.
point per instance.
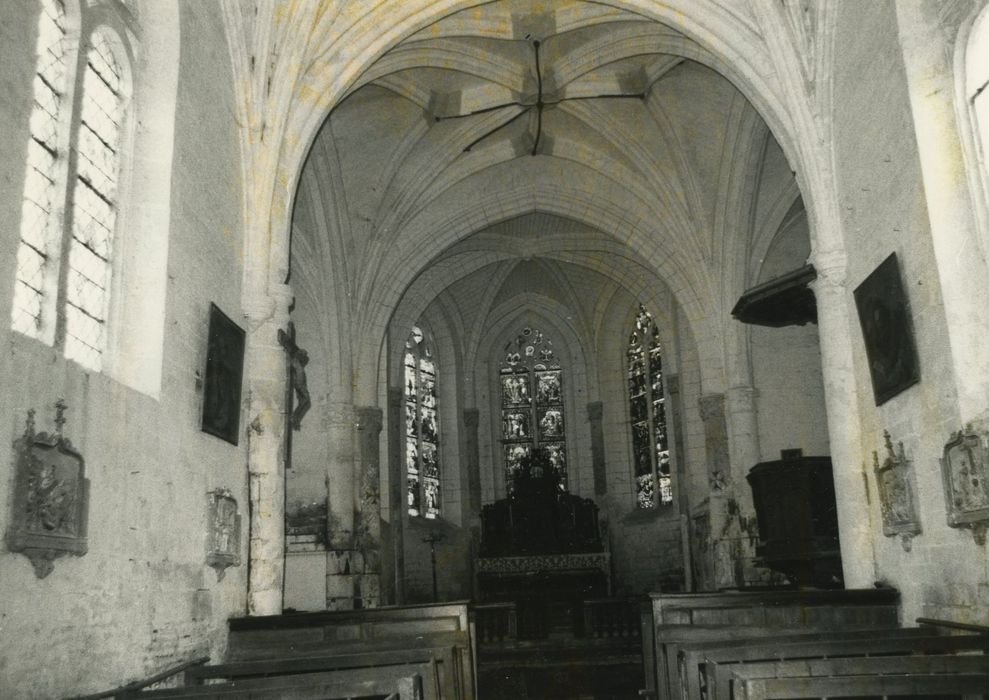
(938, 685)
(730, 676)
(763, 610)
(328, 633)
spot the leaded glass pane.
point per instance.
(647, 412)
(558, 459)
(531, 400)
(38, 210)
(515, 425)
(550, 423)
(514, 454)
(515, 390)
(421, 427)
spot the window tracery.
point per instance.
(422, 460)
(532, 416)
(647, 412)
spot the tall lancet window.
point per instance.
(647, 408)
(37, 255)
(532, 404)
(422, 461)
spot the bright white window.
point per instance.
(976, 90)
(64, 260)
(94, 210)
(37, 252)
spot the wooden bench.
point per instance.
(938, 685)
(708, 665)
(386, 629)
(954, 664)
(738, 613)
(434, 661)
(395, 683)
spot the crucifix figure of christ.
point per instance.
(298, 385)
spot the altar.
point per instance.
(541, 543)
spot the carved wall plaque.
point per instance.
(51, 497)
(223, 548)
(897, 497)
(965, 469)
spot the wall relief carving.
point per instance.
(51, 496)
(965, 469)
(897, 496)
(223, 542)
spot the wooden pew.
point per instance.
(708, 665)
(395, 683)
(936, 685)
(730, 676)
(734, 614)
(330, 633)
(428, 663)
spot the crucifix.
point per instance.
(431, 540)
(297, 401)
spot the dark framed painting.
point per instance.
(887, 328)
(224, 373)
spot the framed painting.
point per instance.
(887, 329)
(224, 373)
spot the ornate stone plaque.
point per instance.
(51, 497)
(965, 468)
(223, 548)
(897, 497)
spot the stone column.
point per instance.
(267, 374)
(723, 547)
(396, 493)
(340, 424)
(473, 457)
(960, 257)
(367, 585)
(834, 319)
(712, 408)
(743, 445)
(595, 416)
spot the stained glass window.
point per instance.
(422, 463)
(647, 411)
(35, 263)
(94, 206)
(531, 382)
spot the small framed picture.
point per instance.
(887, 328)
(224, 373)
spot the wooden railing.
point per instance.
(133, 689)
(495, 622)
(606, 618)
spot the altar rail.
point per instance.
(598, 618)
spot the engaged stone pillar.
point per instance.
(367, 583)
(266, 425)
(396, 495)
(724, 546)
(834, 320)
(595, 416)
(340, 565)
(473, 456)
(744, 449)
(961, 261)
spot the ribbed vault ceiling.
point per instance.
(678, 180)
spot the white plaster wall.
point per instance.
(883, 208)
(143, 597)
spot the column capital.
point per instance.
(712, 406)
(471, 417)
(273, 305)
(832, 269)
(369, 418)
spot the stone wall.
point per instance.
(142, 598)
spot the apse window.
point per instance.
(532, 415)
(64, 259)
(422, 456)
(647, 411)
